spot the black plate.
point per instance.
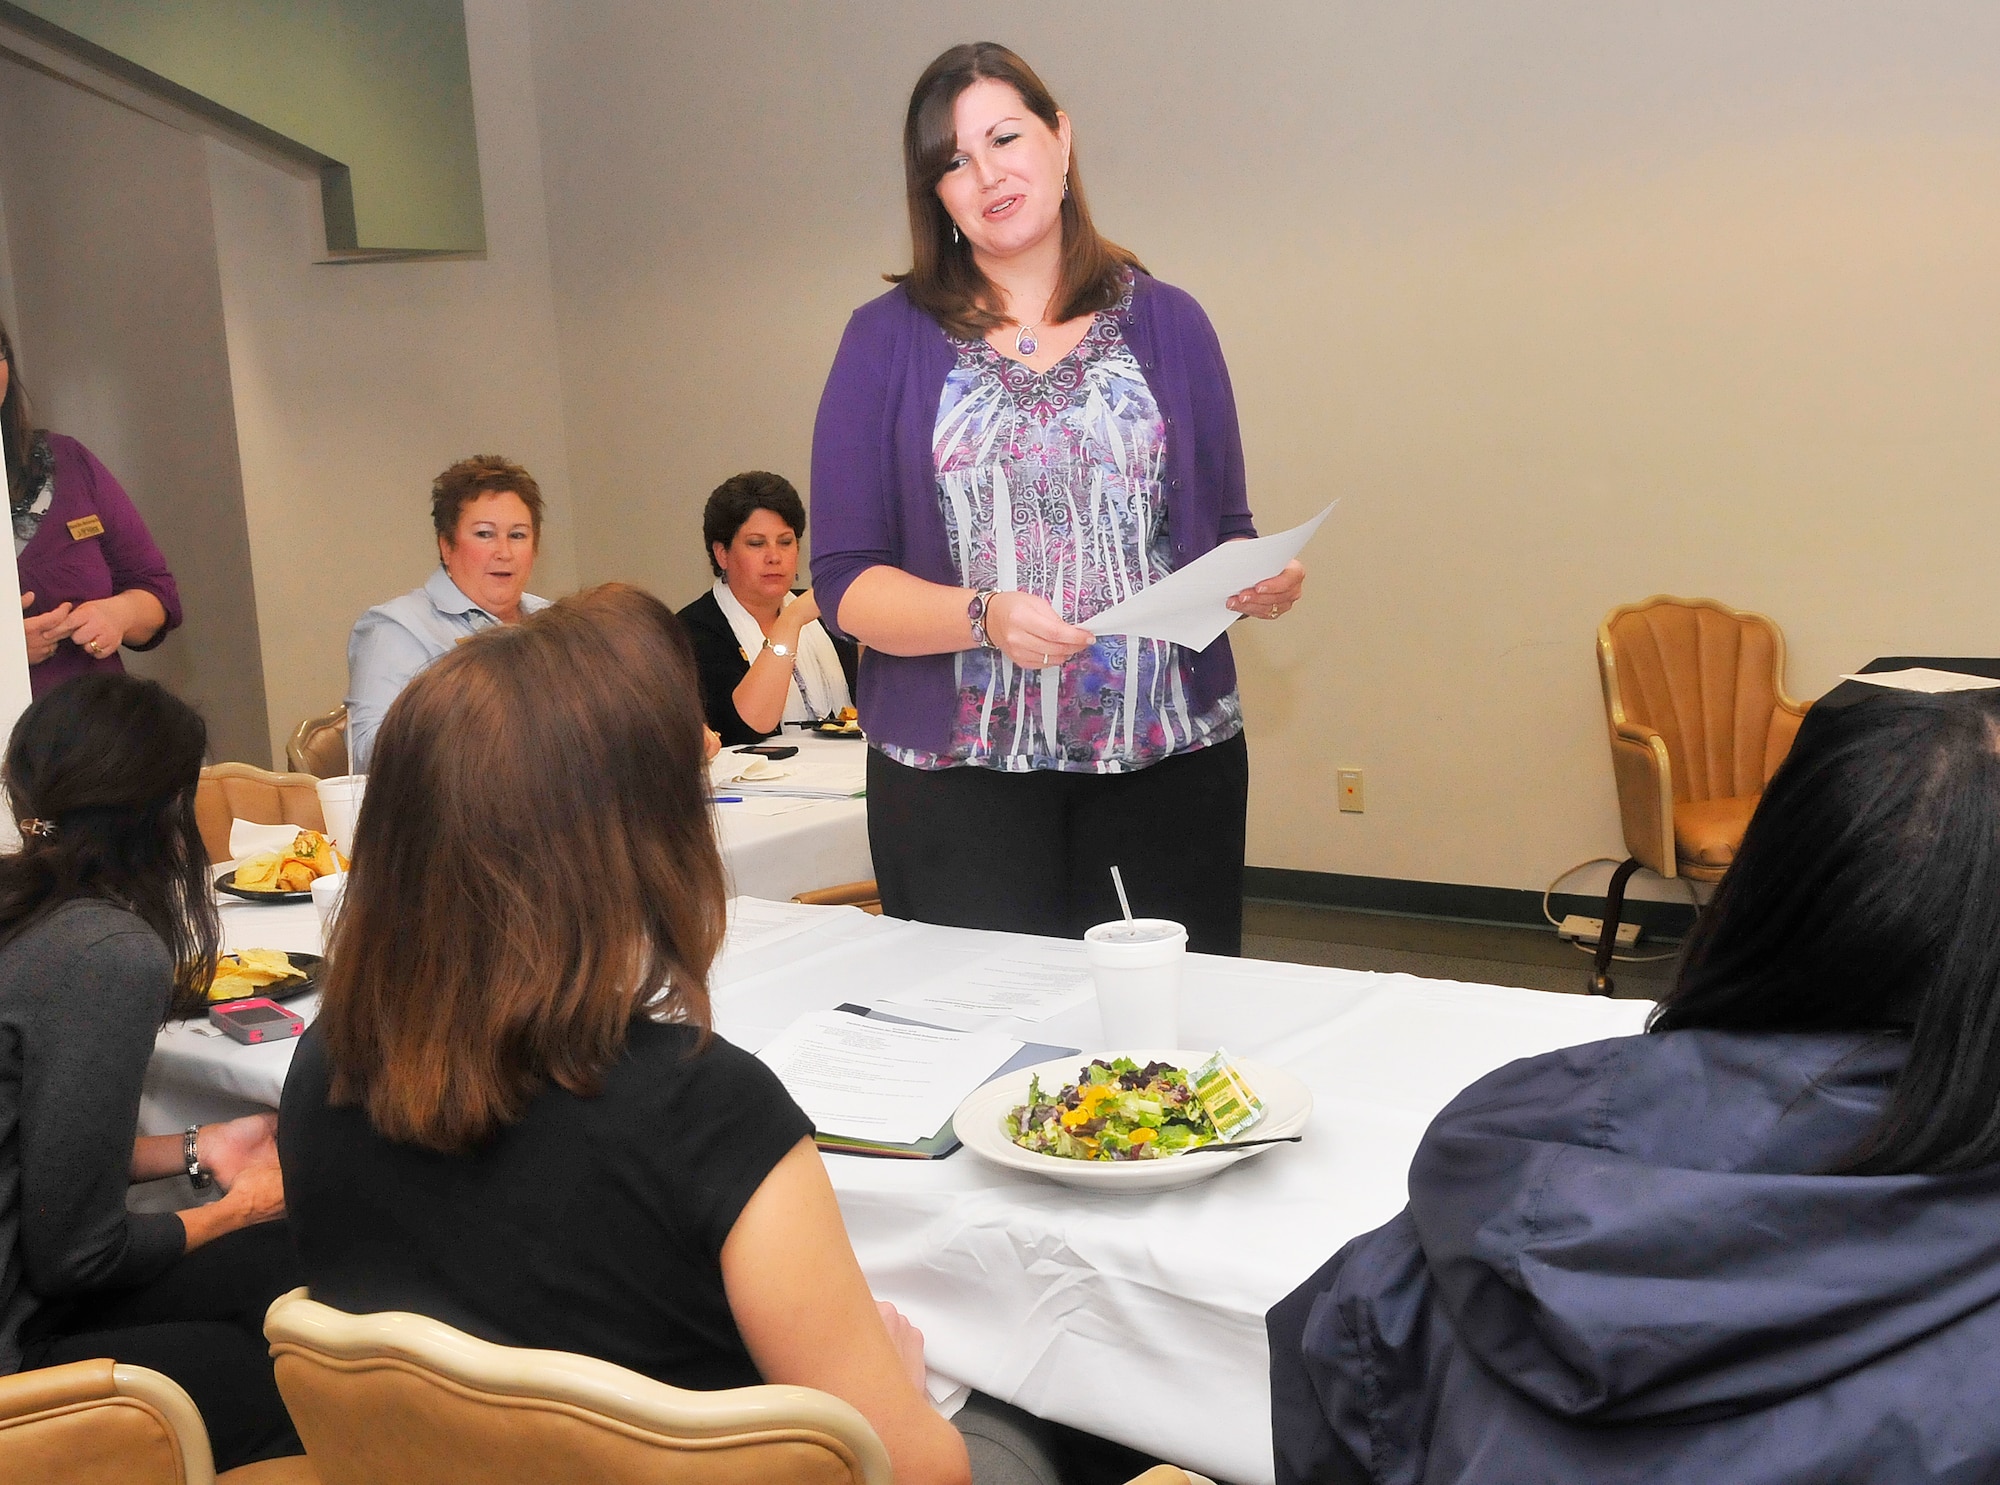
(286, 990)
(820, 729)
(227, 883)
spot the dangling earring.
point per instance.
(954, 234)
(1065, 185)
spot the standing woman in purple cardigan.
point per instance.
(92, 580)
(1025, 430)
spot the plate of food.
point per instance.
(283, 876)
(1136, 1121)
(844, 723)
(274, 973)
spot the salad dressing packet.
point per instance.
(1230, 1102)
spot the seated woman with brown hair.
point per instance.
(511, 1114)
(1760, 1244)
(107, 925)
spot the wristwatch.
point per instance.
(783, 652)
(975, 613)
(191, 1159)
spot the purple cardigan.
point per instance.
(874, 481)
(58, 567)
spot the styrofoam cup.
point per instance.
(340, 803)
(1137, 969)
(326, 893)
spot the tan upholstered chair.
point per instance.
(104, 1423)
(319, 746)
(864, 895)
(406, 1398)
(238, 791)
(1694, 694)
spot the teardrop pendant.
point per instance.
(1025, 343)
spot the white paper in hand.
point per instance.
(1189, 607)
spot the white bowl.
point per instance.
(981, 1125)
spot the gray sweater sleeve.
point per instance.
(88, 988)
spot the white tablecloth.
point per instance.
(1137, 1318)
(821, 843)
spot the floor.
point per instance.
(1441, 949)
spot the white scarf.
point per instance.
(819, 685)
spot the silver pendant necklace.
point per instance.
(1025, 343)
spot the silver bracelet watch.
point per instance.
(191, 1159)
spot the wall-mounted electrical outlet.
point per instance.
(1350, 790)
(1590, 930)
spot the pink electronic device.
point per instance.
(257, 1019)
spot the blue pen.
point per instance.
(726, 799)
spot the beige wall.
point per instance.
(355, 384)
(120, 320)
(1569, 304)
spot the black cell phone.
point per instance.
(771, 750)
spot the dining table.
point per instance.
(1138, 1317)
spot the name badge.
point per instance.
(85, 527)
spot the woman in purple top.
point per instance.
(92, 580)
(1026, 430)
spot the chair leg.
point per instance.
(1614, 908)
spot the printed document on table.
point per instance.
(1923, 678)
(1029, 985)
(1189, 607)
(753, 922)
(881, 1080)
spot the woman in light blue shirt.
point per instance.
(488, 516)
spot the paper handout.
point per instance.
(1923, 678)
(1187, 608)
(890, 1081)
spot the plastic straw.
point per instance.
(1119, 882)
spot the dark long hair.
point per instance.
(106, 765)
(17, 433)
(943, 281)
(535, 859)
(1866, 895)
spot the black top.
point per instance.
(82, 992)
(594, 1225)
(722, 664)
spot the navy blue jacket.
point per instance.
(1621, 1263)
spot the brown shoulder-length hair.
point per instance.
(534, 861)
(943, 281)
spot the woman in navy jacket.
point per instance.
(1761, 1244)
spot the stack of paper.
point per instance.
(885, 1082)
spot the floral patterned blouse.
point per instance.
(1050, 483)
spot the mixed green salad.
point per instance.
(1115, 1110)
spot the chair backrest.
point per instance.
(407, 1398)
(1709, 680)
(319, 745)
(239, 791)
(101, 1423)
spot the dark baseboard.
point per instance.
(1506, 905)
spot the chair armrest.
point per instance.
(1645, 782)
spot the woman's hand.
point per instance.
(800, 612)
(711, 743)
(1271, 598)
(258, 1195)
(227, 1150)
(907, 1339)
(100, 625)
(1030, 632)
(45, 631)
